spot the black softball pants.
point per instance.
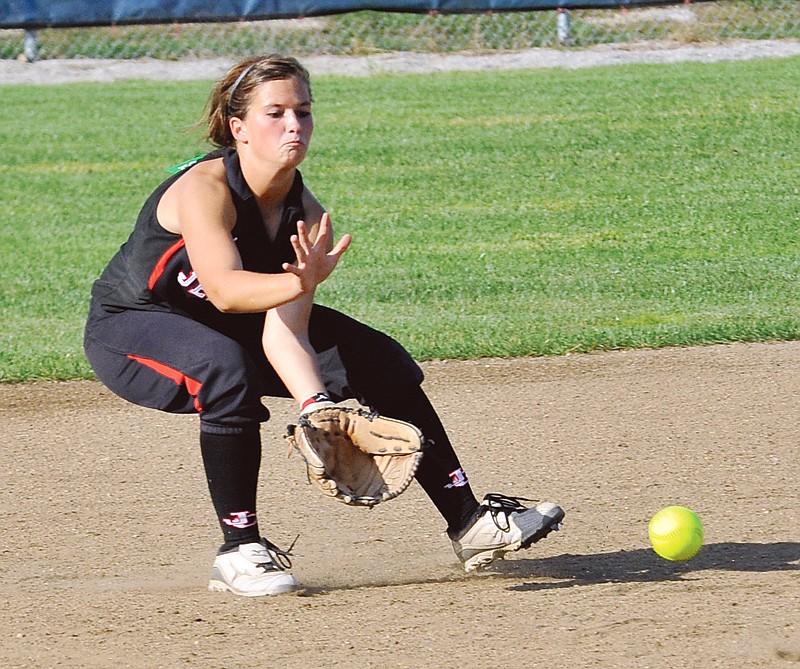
(172, 363)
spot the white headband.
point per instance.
(238, 81)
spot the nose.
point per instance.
(293, 121)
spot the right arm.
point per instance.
(199, 207)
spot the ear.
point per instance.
(238, 129)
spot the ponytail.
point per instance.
(232, 95)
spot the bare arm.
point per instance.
(199, 207)
(288, 349)
(286, 342)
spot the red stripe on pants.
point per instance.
(192, 386)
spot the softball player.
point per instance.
(209, 306)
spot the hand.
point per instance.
(315, 262)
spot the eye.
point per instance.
(304, 113)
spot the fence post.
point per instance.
(563, 28)
(30, 46)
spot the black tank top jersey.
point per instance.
(151, 271)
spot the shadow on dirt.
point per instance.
(644, 565)
(637, 566)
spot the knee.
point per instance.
(231, 391)
(357, 358)
(397, 364)
(381, 364)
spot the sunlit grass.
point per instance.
(493, 214)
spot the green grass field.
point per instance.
(494, 214)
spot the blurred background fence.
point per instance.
(371, 32)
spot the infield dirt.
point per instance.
(108, 534)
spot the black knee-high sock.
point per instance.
(231, 463)
(440, 473)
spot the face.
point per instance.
(278, 124)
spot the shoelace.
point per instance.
(497, 504)
(280, 560)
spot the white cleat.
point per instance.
(253, 570)
(502, 524)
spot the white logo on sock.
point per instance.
(241, 519)
(458, 479)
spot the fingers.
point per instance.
(342, 246)
(291, 269)
(300, 242)
(324, 238)
(324, 224)
(315, 262)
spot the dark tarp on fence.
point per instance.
(34, 14)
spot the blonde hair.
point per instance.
(232, 95)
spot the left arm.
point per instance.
(288, 348)
(285, 339)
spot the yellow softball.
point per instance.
(676, 533)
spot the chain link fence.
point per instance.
(368, 32)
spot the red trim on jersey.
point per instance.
(158, 270)
(192, 385)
